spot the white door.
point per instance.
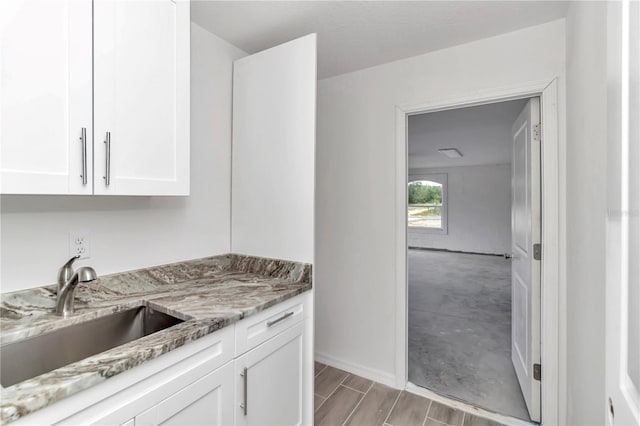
(209, 401)
(46, 97)
(525, 266)
(141, 69)
(623, 224)
(269, 381)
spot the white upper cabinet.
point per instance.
(139, 68)
(141, 98)
(46, 97)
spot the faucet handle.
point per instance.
(66, 272)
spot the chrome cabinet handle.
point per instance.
(284, 317)
(107, 176)
(244, 375)
(83, 141)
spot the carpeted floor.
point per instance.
(460, 329)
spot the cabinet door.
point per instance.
(269, 381)
(208, 401)
(141, 100)
(46, 96)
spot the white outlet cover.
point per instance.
(79, 244)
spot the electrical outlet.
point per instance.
(79, 244)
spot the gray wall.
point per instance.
(478, 210)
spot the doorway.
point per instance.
(469, 184)
(551, 398)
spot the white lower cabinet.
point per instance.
(270, 381)
(207, 402)
(258, 371)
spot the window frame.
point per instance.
(442, 179)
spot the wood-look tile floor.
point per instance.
(346, 399)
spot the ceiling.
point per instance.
(359, 34)
(481, 133)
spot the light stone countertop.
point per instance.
(208, 294)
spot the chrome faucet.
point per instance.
(67, 283)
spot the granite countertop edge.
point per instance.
(208, 294)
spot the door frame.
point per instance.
(553, 255)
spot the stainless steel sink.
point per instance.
(36, 355)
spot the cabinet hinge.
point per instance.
(537, 372)
(537, 251)
(536, 132)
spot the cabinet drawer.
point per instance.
(252, 331)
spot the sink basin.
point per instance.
(40, 354)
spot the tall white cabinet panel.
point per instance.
(269, 381)
(46, 97)
(141, 98)
(273, 161)
(207, 402)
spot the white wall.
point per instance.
(355, 216)
(134, 232)
(478, 210)
(586, 211)
(274, 123)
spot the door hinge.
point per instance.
(537, 251)
(612, 412)
(537, 372)
(536, 132)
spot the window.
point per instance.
(426, 204)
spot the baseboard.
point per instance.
(359, 370)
